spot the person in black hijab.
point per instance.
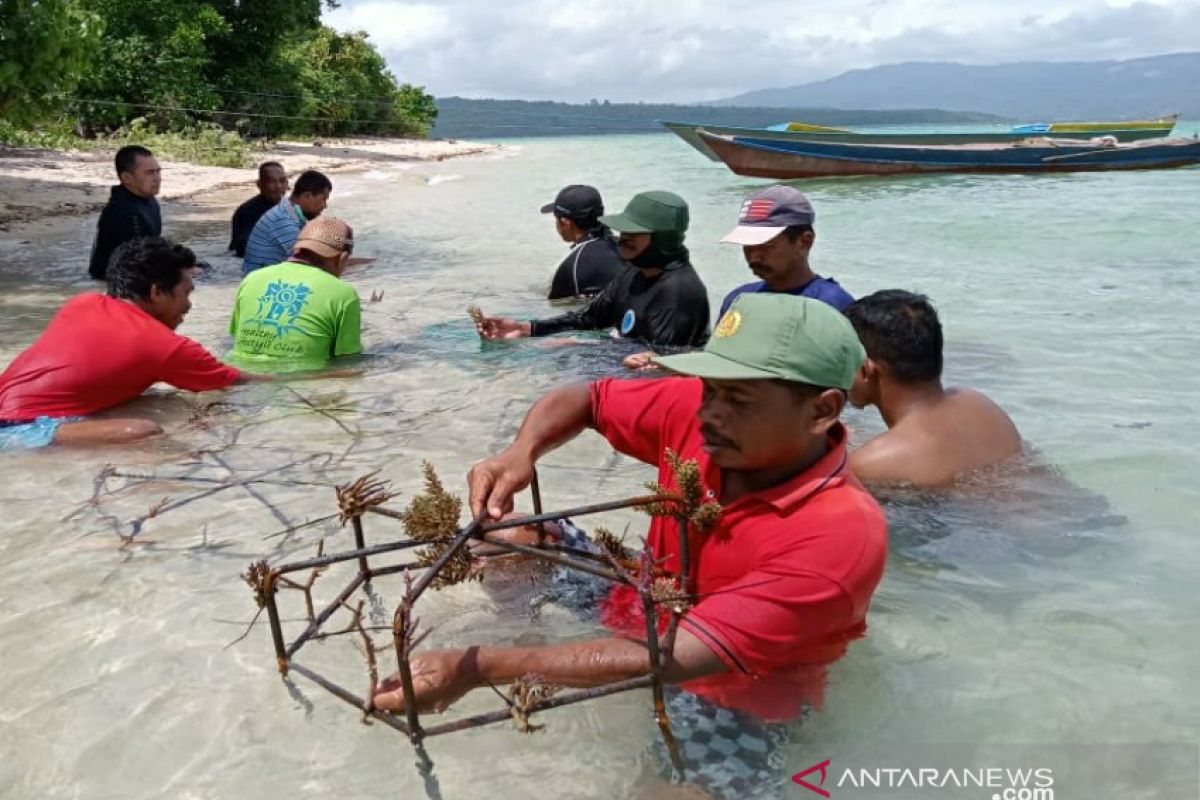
(658, 299)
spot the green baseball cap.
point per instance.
(777, 336)
(649, 212)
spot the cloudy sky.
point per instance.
(690, 50)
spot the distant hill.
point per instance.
(488, 119)
(1140, 87)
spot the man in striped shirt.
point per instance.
(276, 231)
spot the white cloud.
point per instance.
(688, 50)
(396, 28)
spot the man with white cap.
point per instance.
(775, 230)
(300, 313)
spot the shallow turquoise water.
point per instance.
(1062, 611)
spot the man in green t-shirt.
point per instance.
(300, 313)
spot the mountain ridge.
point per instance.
(1029, 90)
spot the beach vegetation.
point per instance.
(203, 73)
(198, 143)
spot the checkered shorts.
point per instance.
(728, 753)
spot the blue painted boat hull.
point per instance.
(690, 133)
(766, 158)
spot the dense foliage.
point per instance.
(266, 67)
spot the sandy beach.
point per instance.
(36, 184)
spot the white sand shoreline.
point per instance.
(36, 184)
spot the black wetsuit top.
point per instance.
(243, 222)
(670, 310)
(126, 217)
(588, 268)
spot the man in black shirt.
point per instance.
(132, 210)
(658, 298)
(593, 260)
(272, 185)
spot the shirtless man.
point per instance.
(934, 434)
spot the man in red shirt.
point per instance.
(783, 581)
(103, 350)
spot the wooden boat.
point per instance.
(690, 133)
(1153, 127)
(766, 158)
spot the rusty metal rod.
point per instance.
(395, 568)
(554, 558)
(656, 669)
(535, 490)
(351, 698)
(335, 558)
(360, 543)
(580, 511)
(281, 656)
(684, 558)
(384, 511)
(552, 702)
(459, 542)
(314, 626)
(402, 632)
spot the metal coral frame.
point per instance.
(656, 589)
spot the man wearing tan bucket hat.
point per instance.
(300, 314)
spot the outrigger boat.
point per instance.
(787, 160)
(799, 131)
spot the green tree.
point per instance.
(417, 108)
(251, 66)
(345, 81)
(45, 47)
(155, 55)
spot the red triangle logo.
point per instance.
(798, 778)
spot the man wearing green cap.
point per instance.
(779, 585)
(659, 298)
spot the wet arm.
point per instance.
(598, 313)
(555, 419)
(440, 677)
(286, 377)
(590, 663)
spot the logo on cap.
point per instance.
(728, 325)
(757, 210)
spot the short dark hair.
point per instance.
(794, 232)
(266, 165)
(144, 262)
(312, 182)
(585, 222)
(900, 329)
(128, 155)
